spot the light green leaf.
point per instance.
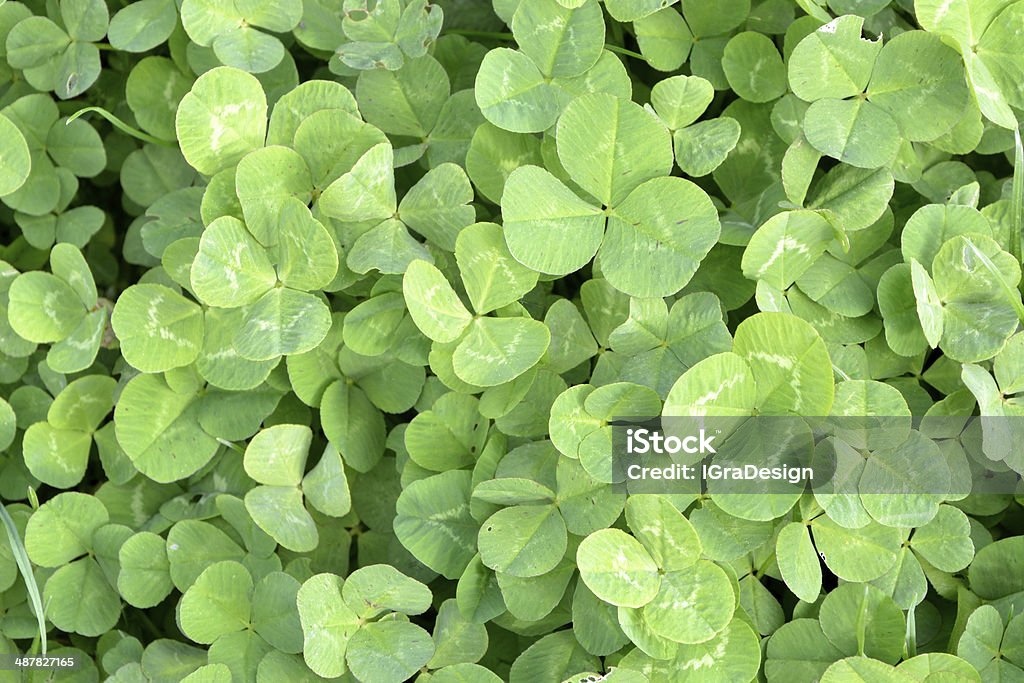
(693, 605)
(664, 39)
(497, 350)
(57, 457)
(385, 651)
(406, 101)
(367, 192)
(142, 25)
(433, 304)
(388, 247)
(79, 599)
(945, 542)
(610, 160)
(754, 67)
(326, 485)
(562, 42)
(834, 61)
(493, 278)
(327, 624)
(279, 511)
(863, 620)
(861, 670)
(798, 561)
(307, 258)
(281, 323)
(512, 93)
(704, 146)
(680, 100)
(720, 385)
(219, 362)
(375, 589)
(433, 522)
(265, 181)
(861, 554)
(144, 580)
(15, 161)
(277, 455)
(231, 268)
(437, 206)
(658, 236)
(618, 569)
(785, 246)
(663, 531)
(547, 227)
(158, 329)
(62, 528)
(856, 132)
(631, 10)
(917, 72)
(248, 49)
(217, 603)
(789, 362)
(929, 306)
(221, 119)
(524, 541)
(158, 429)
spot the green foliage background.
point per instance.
(313, 314)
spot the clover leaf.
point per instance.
(62, 58)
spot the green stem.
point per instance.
(862, 623)
(1017, 201)
(230, 444)
(147, 624)
(481, 34)
(121, 126)
(493, 35)
(105, 46)
(623, 51)
(25, 566)
(910, 639)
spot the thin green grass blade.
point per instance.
(25, 566)
(121, 126)
(1012, 295)
(1017, 201)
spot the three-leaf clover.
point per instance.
(667, 223)
(276, 459)
(863, 94)
(488, 350)
(62, 58)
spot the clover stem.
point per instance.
(496, 35)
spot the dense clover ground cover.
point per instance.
(314, 316)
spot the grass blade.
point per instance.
(1017, 201)
(25, 566)
(1012, 295)
(121, 126)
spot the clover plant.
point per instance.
(319, 321)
